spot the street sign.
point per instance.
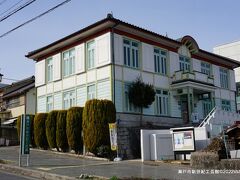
(25, 134)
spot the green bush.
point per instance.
(39, 130)
(217, 145)
(96, 116)
(51, 129)
(61, 136)
(74, 128)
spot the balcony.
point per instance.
(180, 76)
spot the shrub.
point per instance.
(96, 116)
(39, 130)
(61, 136)
(217, 145)
(51, 129)
(201, 159)
(74, 128)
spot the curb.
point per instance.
(73, 155)
(34, 173)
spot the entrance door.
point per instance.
(207, 107)
(184, 109)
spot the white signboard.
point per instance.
(183, 141)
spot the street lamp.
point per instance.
(1, 75)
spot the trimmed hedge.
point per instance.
(51, 129)
(61, 136)
(96, 116)
(74, 128)
(39, 130)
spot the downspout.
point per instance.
(113, 61)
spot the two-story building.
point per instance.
(101, 60)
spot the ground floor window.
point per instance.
(162, 102)
(49, 103)
(226, 105)
(69, 99)
(91, 92)
(129, 107)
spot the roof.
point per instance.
(111, 23)
(19, 87)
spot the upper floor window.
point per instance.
(91, 55)
(69, 99)
(131, 53)
(184, 63)
(160, 61)
(162, 102)
(91, 92)
(206, 68)
(224, 78)
(49, 69)
(49, 103)
(69, 62)
(226, 105)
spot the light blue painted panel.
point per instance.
(150, 110)
(81, 96)
(57, 101)
(233, 106)
(41, 104)
(118, 96)
(104, 90)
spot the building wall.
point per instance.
(100, 76)
(31, 101)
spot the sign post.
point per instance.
(113, 139)
(25, 138)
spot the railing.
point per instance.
(195, 75)
(208, 117)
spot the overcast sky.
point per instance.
(209, 22)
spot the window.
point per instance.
(224, 78)
(226, 105)
(162, 102)
(91, 92)
(14, 102)
(91, 55)
(69, 99)
(69, 62)
(129, 107)
(131, 53)
(184, 63)
(49, 70)
(49, 103)
(160, 61)
(206, 68)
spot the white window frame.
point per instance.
(184, 63)
(49, 69)
(224, 78)
(49, 103)
(226, 105)
(91, 54)
(160, 61)
(162, 102)
(69, 99)
(69, 62)
(206, 68)
(131, 53)
(91, 91)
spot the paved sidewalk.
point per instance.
(51, 162)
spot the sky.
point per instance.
(209, 22)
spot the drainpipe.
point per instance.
(113, 58)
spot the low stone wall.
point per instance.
(129, 126)
(210, 160)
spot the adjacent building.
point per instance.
(101, 60)
(231, 50)
(18, 98)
